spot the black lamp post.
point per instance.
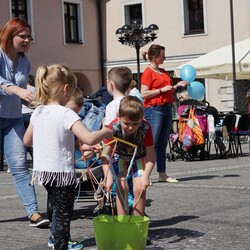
(136, 36)
(235, 89)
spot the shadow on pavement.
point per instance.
(171, 221)
(206, 177)
(90, 242)
(179, 234)
(200, 177)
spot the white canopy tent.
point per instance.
(218, 63)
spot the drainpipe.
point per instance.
(99, 21)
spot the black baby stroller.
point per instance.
(183, 146)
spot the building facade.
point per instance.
(64, 32)
(82, 34)
(188, 29)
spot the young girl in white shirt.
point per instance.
(52, 131)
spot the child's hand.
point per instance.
(108, 183)
(144, 182)
(96, 148)
(90, 150)
(88, 154)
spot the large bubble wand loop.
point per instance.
(116, 139)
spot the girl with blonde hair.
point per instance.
(52, 131)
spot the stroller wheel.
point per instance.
(169, 157)
(186, 157)
(173, 157)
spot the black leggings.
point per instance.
(63, 200)
(218, 141)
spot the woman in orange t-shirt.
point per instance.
(157, 91)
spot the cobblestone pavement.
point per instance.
(208, 209)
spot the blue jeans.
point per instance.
(11, 135)
(160, 119)
(92, 114)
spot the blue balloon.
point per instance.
(188, 73)
(196, 90)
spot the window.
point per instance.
(193, 17)
(22, 9)
(19, 9)
(133, 12)
(72, 12)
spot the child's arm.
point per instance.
(150, 162)
(27, 139)
(90, 138)
(108, 180)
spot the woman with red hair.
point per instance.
(15, 39)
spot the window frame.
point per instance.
(78, 4)
(186, 28)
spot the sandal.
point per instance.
(168, 179)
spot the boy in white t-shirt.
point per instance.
(118, 82)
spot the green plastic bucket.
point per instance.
(116, 233)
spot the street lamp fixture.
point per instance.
(136, 36)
